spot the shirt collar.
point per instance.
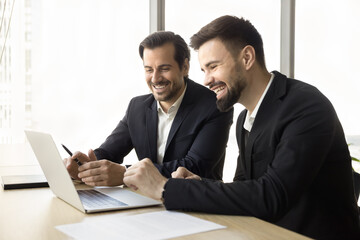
(173, 107)
(249, 120)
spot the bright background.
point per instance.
(70, 67)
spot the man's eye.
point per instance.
(213, 67)
(165, 69)
(148, 70)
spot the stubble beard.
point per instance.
(234, 92)
(167, 96)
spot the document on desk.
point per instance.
(153, 225)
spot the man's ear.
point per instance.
(248, 56)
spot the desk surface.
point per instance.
(33, 214)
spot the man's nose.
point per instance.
(156, 77)
(208, 79)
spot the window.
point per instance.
(69, 68)
(327, 53)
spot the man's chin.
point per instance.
(223, 106)
(160, 97)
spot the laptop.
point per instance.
(88, 200)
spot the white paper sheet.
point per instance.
(153, 225)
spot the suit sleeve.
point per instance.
(305, 137)
(118, 144)
(207, 151)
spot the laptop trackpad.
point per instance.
(124, 195)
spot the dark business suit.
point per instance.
(296, 172)
(197, 138)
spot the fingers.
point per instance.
(70, 163)
(147, 161)
(196, 177)
(90, 165)
(92, 155)
(129, 180)
(97, 180)
(90, 169)
(71, 167)
(130, 176)
(138, 169)
(102, 173)
(144, 176)
(92, 176)
(83, 158)
(180, 172)
(67, 162)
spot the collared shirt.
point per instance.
(249, 120)
(164, 125)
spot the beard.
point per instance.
(169, 95)
(233, 95)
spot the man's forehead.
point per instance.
(212, 50)
(212, 44)
(158, 65)
(168, 48)
(162, 56)
(164, 51)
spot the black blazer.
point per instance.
(197, 138)
(296, 172)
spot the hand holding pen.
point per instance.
(94, 172)
(70, 153)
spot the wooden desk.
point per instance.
(33, 214)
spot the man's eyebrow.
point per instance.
(162, 65)
(165, 65)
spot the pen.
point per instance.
(70, 153)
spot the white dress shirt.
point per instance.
(249, 120)
(164, 125)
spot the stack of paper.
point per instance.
(153, 225)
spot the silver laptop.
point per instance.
(87, 200)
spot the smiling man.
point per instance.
(294, 167)
(176, 125)
(163, 75)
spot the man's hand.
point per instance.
(101, 172)
(144, 176)
(72, 166)
(182, 172)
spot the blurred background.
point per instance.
(70, 67)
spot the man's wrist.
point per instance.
(162, 191)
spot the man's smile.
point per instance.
(219, 89)
(161, 87)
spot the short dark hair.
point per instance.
(160, 38)
(234, 32)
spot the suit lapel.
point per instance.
(151, 129)
(267, 108)
(240, 142)
(182, 112)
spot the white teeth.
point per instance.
(159, 87)
(219, 89)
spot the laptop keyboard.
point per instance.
(93, 199)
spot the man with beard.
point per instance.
(294, 167)
(178, 124)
